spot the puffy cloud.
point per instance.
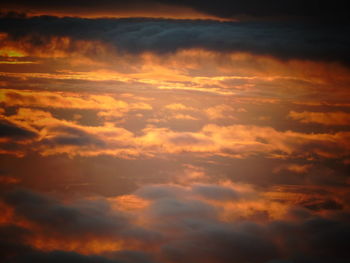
(220, 112)
(55, 136)
(240, 140)
(177, 107)
(61, 136)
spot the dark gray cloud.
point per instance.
(11, 130)
(220, 245)
(173, 209)
(312, 239)
(72, 136)
(321, 204)
(81, 219)
(12, 241)
(213, 242)
(284, 40)
(154, 192)
(84, 218)
(216, 192)
(58, 257)
(200, 236)
(14, 249)
(315, 9)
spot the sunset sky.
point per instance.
(174, 131)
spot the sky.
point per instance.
(174, 131)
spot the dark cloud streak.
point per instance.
(255, 9)
(282, 40)
(11, 130)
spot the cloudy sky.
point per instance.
(174, 131)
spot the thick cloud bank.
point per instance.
(283, 40)
(178, 225)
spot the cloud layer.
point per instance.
(177, 223)
(174, 131)
(283, 40)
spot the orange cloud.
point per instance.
(324, 118)
(159, 215)
(192, 69)
(9, 180)
(55, 136)
(184, 117)
(221, 111)
(150, 10)
(178, 106)
(295, 168)
(67, 100)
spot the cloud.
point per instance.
(39, 99)
(216, 192)
(323, 118)
(179, 223)
(154, 192)
(132, 257)
(239, 140)
(84, 226)
(78, 98)
(11, 130)
(61, 136)
(173, 210)
(317, 10)
(5, 179)
(204, 237)
(108, 72)
(178, 107)
(294, 168)
(282, 40)
(253, 9)
(208, 242)
(57, 136)
(183, 117)
(11, 239)
(221, 111)
(14, 136)
(321, 204)
(65, 135)
(15, 250)
(75, 220)
(134, 8)
(57, 257)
